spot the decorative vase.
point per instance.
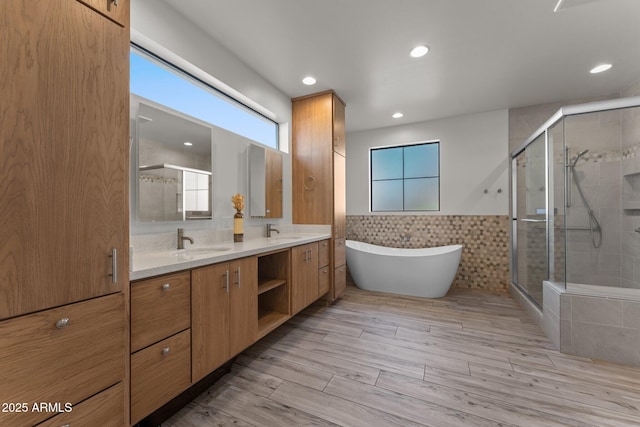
(238, 231)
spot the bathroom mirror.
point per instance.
(174, 166)
(175, 181)
(265, 182)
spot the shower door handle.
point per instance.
(533, 220)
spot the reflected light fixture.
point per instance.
(419, 51)
(397, 115)
(188, 143)
(309, 81)
(600, 68)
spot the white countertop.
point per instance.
(148, 264)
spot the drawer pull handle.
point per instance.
(114, 265)
(165, 351)
(166, 287)
(227, 280)
(238, 273)
(62, 323)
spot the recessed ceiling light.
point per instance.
(419, 51)
(397, 115)
(600, 68)
(309, 81)
(188, 144)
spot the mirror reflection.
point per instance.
(174, 166)
(265, 182)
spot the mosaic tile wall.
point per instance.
(485, 256)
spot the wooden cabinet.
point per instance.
(63, 354)
(105, 409)
(318, 165)
(304, 276)
(223, 313)
(160, 341)
(159, 373)
(116, 10)
(63, 154)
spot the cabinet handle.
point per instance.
(305, 256)
(114, 266)
(238, 274)
(166, 287)
(312, 183)
(115, 2)
(310, 253)
(165, 351)
(62, 323)
(226, 273)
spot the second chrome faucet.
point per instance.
(270, 229)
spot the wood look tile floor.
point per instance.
(373, 359)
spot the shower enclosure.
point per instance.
(576, 202)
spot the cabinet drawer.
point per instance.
(340, 281)
(324, 281)
(42, 362)
(324, 252)
(159, 373)
(105, 409)
(160, 307)
(340, 252)
(116, 10)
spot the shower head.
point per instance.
(580, 154)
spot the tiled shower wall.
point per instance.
(485, 254)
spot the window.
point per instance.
(158, 81)
(406, 178)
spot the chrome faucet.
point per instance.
(182, 238)
(270, 230)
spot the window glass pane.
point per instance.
(421, 161)
(386, 163)
(421, 194)
(156, 82)
(386, 195)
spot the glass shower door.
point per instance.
(530, 218)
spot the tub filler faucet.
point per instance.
(182, 238)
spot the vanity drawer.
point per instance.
(324, 252)
(340, 252)
(324, 280)
(159, 373)
(160, 307)
(105, 409)
(64, 354)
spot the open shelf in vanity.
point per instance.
(273, 291)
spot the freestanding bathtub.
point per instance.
(425, 272)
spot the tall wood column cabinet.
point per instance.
(64, 228)
(318, 153)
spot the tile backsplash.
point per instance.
(485, 255)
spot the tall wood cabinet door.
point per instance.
(339, 133)
(312, 183)
(339, 196)
(63, 154)
(243, 305)
(304, 276)
(210, 288)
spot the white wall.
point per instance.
(158, 28)
(473, 157)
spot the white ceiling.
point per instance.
(485, 54)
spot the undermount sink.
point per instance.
(207, 249)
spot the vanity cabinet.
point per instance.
(324, 258)
(160, 341)
(223, 313)
(64, 212)
(318, 165)
(304, 276)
